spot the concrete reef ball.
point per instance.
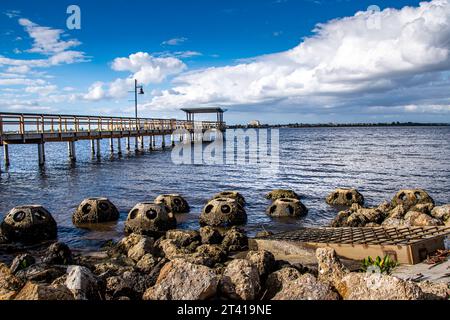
(223, 212)
(281, 194)
(150, 219)
(175, 202)
(231, 195)
(95, 210)
(411, 197)
(286, 207)
(29, 224)
(345, 197)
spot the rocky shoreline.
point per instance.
(156, 261)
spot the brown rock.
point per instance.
(182, 280)
(37, 291)
(282, 194)
(235, 240)
(435, 291)
(263, 260)
(441, 212)
(330, 268)
(418, 219)
(306, 287)
(146, 263)
(9, 284)
(144, 246)
(345, 197)
(411, 197)
(240, 280)
(210, 235)
(277, 280)
(183, 238)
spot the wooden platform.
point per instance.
(404, 245)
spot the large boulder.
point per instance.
(435, 291)
(208, 255)
(41, 272)
(150, 219)
(126, 243)
(330, 268)
(223, 212)
(143, 247)
(9, 284)
(169, 249)
(182, 280)
(235, 240)
(286, 207)
(184, 238)
(29, 224)
(82, 283)
(345, 197)
(39, 291)
(377, 286)
(411, 197)
(21, 262)
(364, 216)
(95, 210)
(263, 260)
(210, 235)
(174, 202)
(441, 212)
(306, 287)
(280, 279)
(147, 263)
(240, 280)
(282, 194)
(58, 253)
(418, 219)
(130, 284)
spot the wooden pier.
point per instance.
(30, 128)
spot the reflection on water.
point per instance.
(377, 161)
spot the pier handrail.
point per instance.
(23, 123)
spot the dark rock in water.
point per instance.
(150, 219)
(411, 197)
(21, 262)
(210, 235)
(286, 207)
(282, 194)
(183, 238)
(174, 202)
(345, 197)
(58, 253)
(41, 272)
(231, 195)
(223, 212)
(235, 240)
(29, 224)
(95, 210)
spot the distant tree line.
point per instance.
(320, 125)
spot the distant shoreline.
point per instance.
(340, 125)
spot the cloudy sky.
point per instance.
(278, 61)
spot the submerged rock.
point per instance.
(29, 224)
(306, 287)
(286, 207)
(345, 197)
(240, 280)
(95, 210)
(282, 194)
(223, 212)
(175, 202)
(182, 280)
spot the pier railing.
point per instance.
(25, 123)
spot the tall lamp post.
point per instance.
(136, 92)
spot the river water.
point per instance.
(378, 161)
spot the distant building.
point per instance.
(254, 123)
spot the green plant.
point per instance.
(385, 265)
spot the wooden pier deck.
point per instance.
(30, 128)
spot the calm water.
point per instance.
(377, 161)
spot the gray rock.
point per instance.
(330, 268)
(240, 280)
(306, 287)
(277, 280)
(58, 253)
(21, 262)
(235, 240)
(82, 283)
(263, 260)
(441, 212)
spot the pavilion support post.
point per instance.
(99, 151)
(163, 143)
(150, 143)
(154, 142)
(41, 152)
(72, 152)
(111, 145)
(172, 140)
(142, 142)
(119, 147)
(6, 154)
(92, 147)
(136, 144)
(128, 143)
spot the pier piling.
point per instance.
(6, 154)
(111, 145)
(41, 152)
(99, 152)
(71, 149)
(163, 144)
(128, 143)
(119, 147)
(92, 147)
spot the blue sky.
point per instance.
(264, 59)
